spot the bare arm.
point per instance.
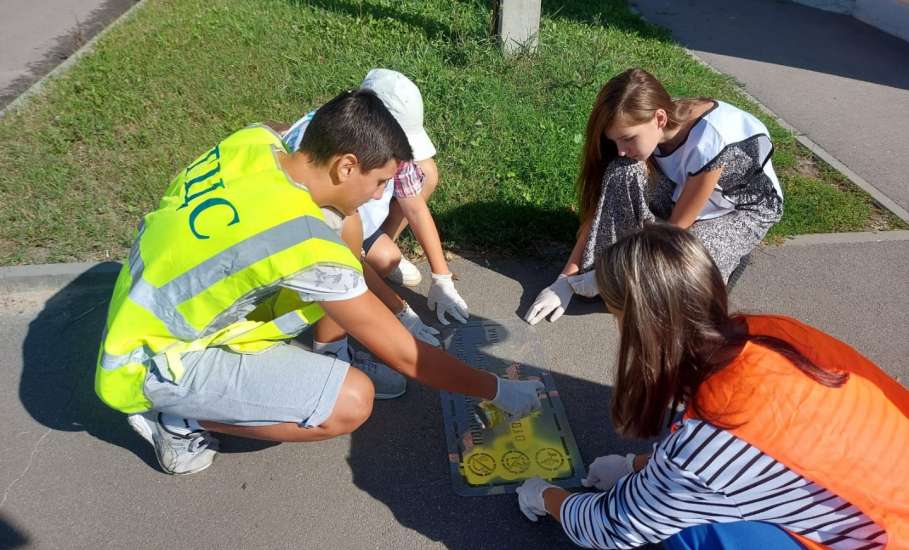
(352, 235)
(553, 499)
(574, 261)
(417, 213)
(373, 325)
(380, 288)
(693, 198)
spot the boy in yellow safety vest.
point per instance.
(241, 255)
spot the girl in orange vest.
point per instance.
(789, 437)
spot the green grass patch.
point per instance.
(84, 160)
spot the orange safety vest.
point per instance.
(852, 440)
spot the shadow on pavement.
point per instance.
(58, 357)
(10, 536)
(787, 34)
(58, 366)
(399, 457)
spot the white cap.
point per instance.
(402, 97)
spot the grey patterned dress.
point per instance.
(630, 198)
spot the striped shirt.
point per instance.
(703, 474)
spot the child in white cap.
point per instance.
(382, 220)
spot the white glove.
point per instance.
(444, 298)
(530, 498)
(518, 398)
(415, 325)
(552, 299)
(606, 470)
(585, 284)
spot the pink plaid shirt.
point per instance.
(408, 180)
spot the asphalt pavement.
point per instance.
(73, 474)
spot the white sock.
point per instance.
(180, 425)
(338, 348)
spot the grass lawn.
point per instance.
(83, 161)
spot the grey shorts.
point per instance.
(284, 383)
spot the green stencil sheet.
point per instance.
(495, 461)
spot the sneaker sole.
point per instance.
(384, 396)
(196, 471)
(411, 279)
(412, 282)
(140, 425)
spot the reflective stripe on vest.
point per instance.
(852, 440)
(207, 265)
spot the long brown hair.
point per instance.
(676, 330)
(632, 98)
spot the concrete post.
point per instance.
(518, 24)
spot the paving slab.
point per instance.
(841, 82)
(73, 475)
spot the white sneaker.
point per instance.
(388, 382)
(405, 273)
(180, 450)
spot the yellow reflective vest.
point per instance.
(207, 265)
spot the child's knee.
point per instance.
(384, 256)
(353, 406)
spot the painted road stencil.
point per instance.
(496, 460)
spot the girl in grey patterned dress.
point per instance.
(700, 164)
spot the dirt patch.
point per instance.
(806, 166)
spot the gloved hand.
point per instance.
(415, 325)
(444, 298)
(518, 398)
(606, 470)
(552, 299)
(585, 284)
(530, 498)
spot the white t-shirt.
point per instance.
(721, 126)
(325, 282)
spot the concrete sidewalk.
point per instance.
(73, 475)
(840, 82)
(37, 35)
